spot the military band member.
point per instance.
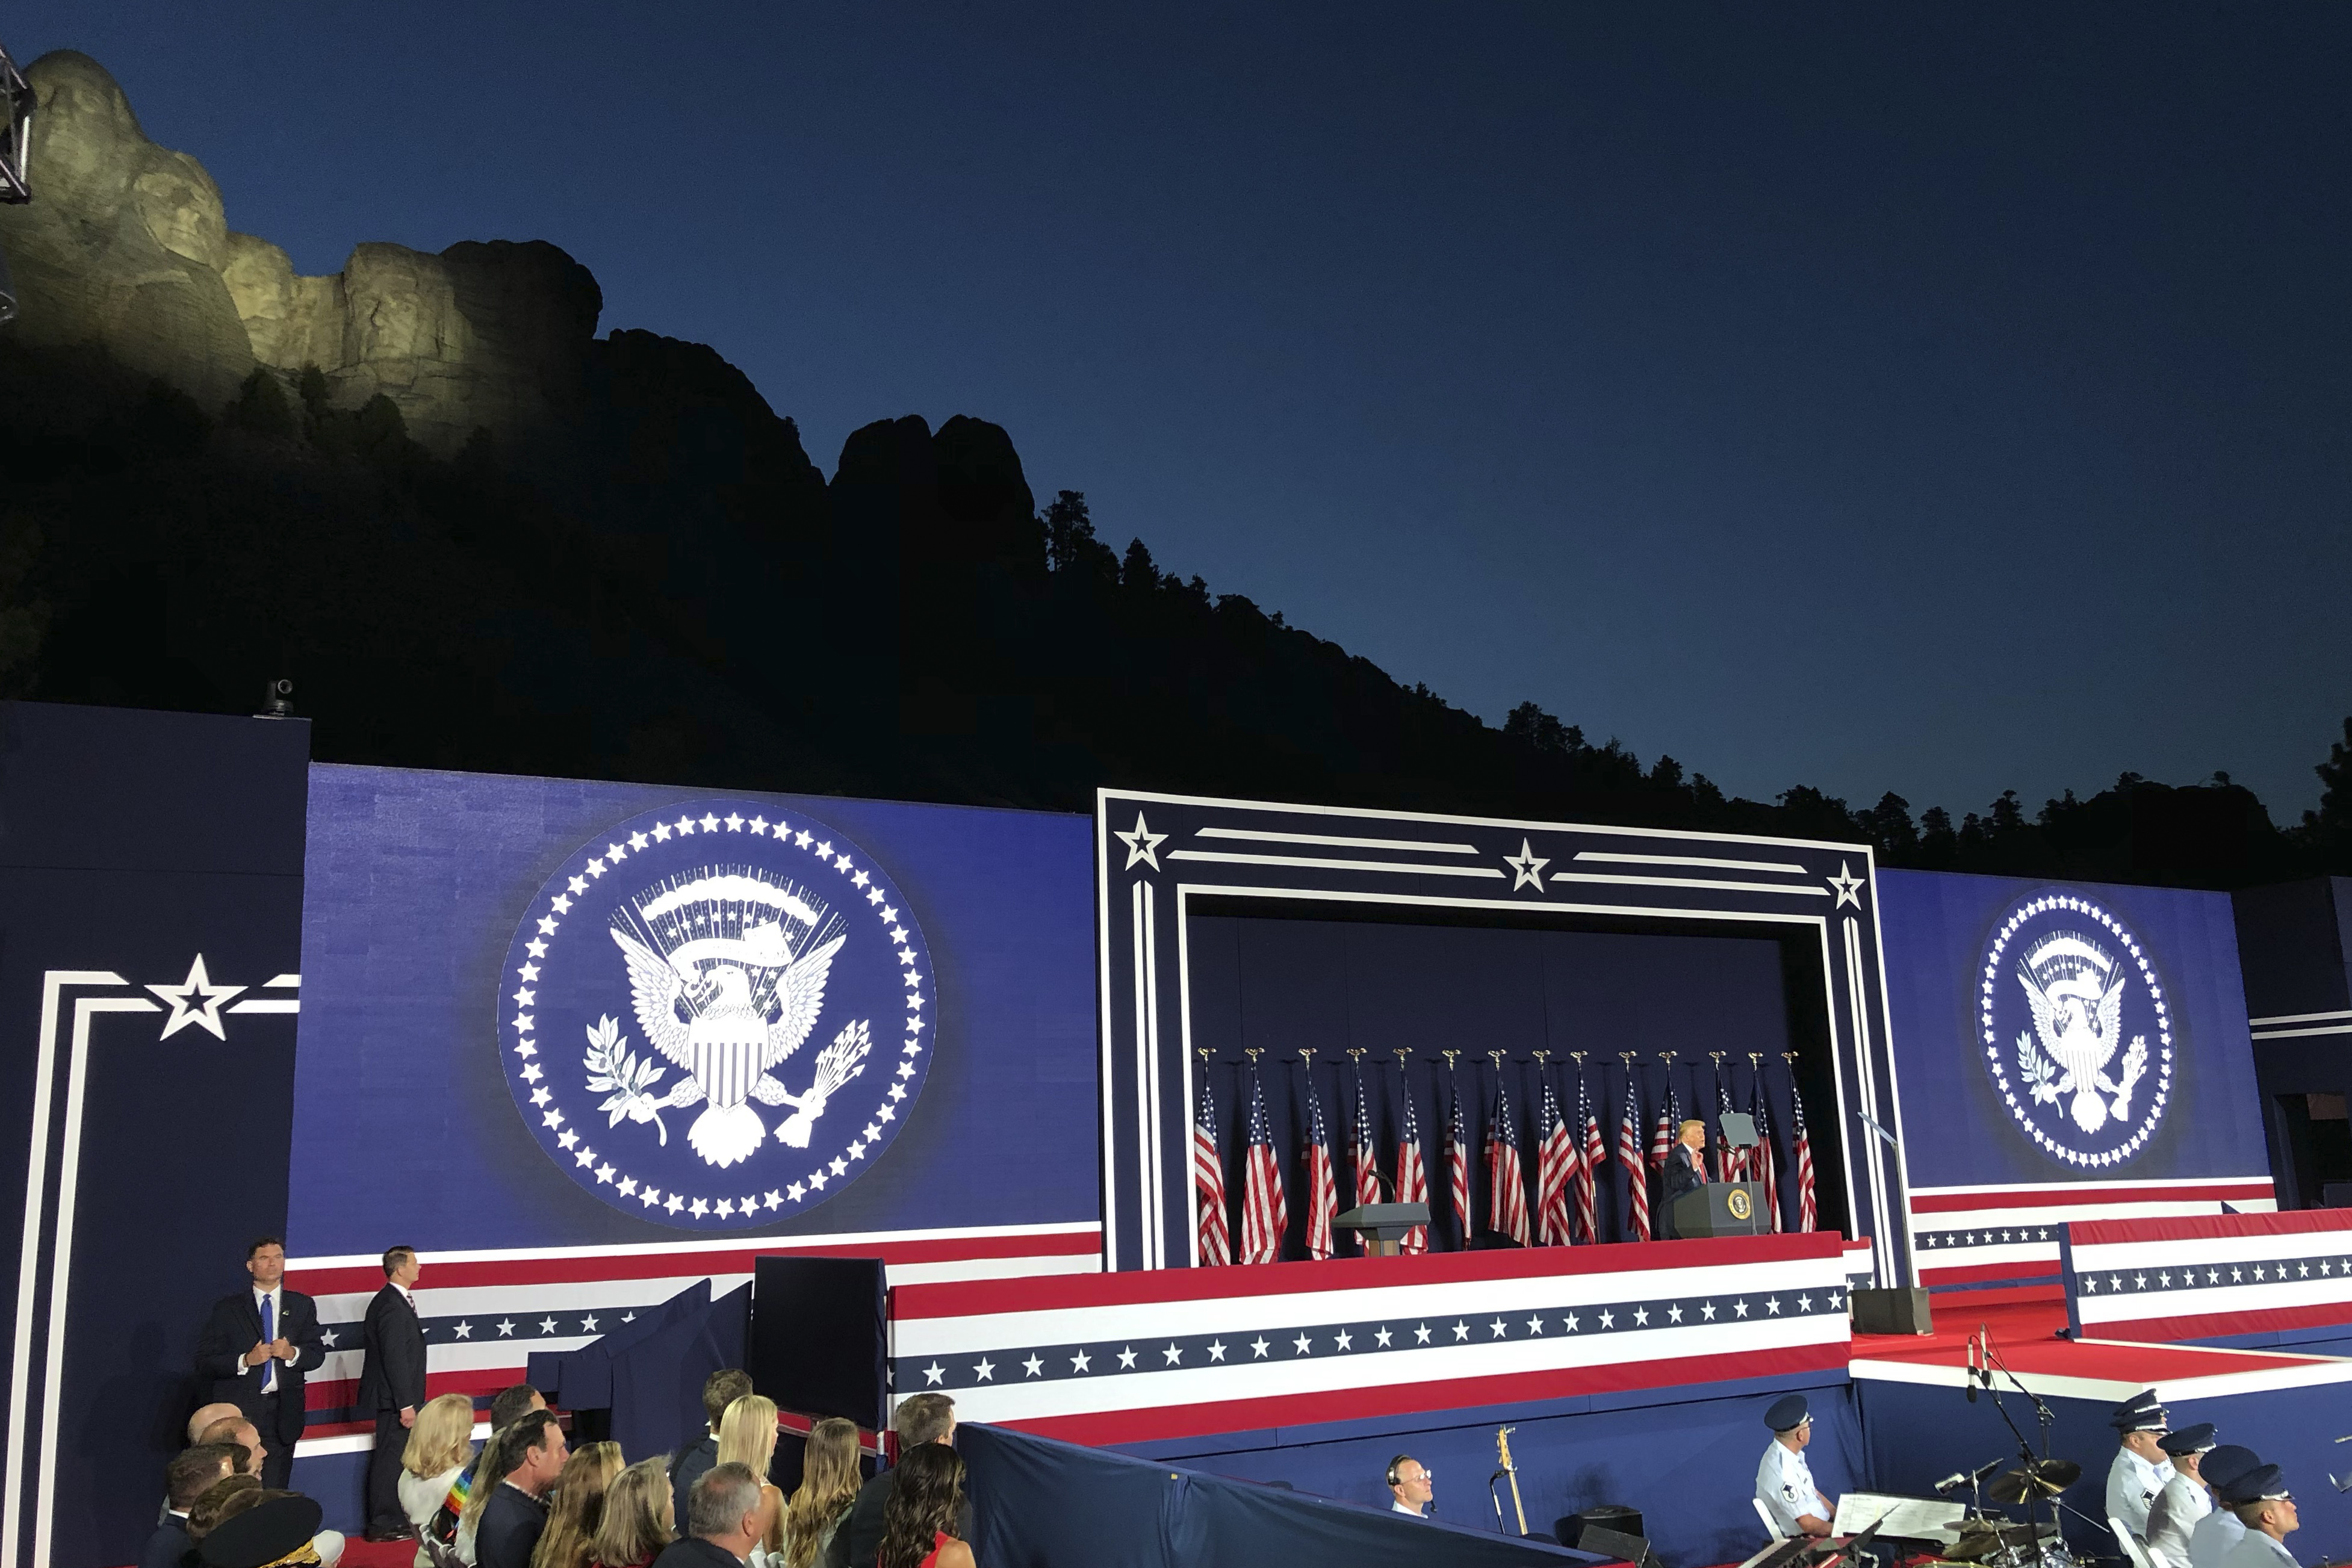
(2264, 1506)
(2184, 1500)
(2140, 1469)
(1784, 1482)
(2221, 1530)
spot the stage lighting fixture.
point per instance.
(278, 700)
(15, 186)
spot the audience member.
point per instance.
(241, 1434)
(324, 1546)
(920, 1418)
(214, 1500)
(747, 1437)
(924, 1510)
(1409, 1486)
(818, 1512)
(720, 1390)
(391, 1387)
(270, 1528)
(513, 1404)
(257, 1346)
(510, 1405)
(527, 1458)
(2263, 1505)
(206, 1416)
(723, 1521)
(638, 1521)
(187, 1478)
(575, 1507)
(439, 1450)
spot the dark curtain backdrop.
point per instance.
(1333, 986)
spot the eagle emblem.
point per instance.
(722, 989)
(2076, 991)
(2076, 1030)
(717, 1017)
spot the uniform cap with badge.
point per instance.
(2197, 1439)
(1788, 1412)
(2140, 1413)
(273, 1534)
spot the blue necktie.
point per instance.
(269, 1332)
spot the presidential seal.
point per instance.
(716, 1020)
(2076, 1030)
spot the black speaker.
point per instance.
(1633, 1548)
(818, 1341)
(1891, 1311)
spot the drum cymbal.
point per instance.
(1981, 1539)
(2043, 1477)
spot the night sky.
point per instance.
(1942, 401)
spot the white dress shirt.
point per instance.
(2213, 1538)
(2132, 1486)
(2258, 1550)
(1784, 1485)
(2173, 1515)
(1402, 1507)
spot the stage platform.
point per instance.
(2028, 1335)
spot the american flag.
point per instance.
(1506, 1188)
(1764, 1171)
(1588, 1178)
(1215, 1241)
(1411, 1179)
(1367, 1162)
(1557, 1162)
(1801, 1152)
(1735, 1161)
(1322, 1182)
(1265, 1217)
(1662, 1136)
(1629, 1154)
(1458, 1167)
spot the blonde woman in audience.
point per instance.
(829, 1482)
(747, 1437)
(637, 1522)
(440, 1449)
(575, 1507)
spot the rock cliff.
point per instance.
(127, 247)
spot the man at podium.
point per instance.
(1686, 1172)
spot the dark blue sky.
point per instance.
(1941, 402)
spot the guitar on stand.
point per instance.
(1503, 1459)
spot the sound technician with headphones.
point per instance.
(1408, 1480)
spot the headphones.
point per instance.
(1393, 1478)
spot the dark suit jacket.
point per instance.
(693, 1552)
(1683, 1174)
(511, 1525)
(169, 1546)
(392, 1375)
(231, 1330)
(687, 1467)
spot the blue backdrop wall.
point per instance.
(1940, 932)
(422, 891)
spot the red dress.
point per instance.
(939, 1538)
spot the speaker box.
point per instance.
(1891, 1311)
(1633, 1548)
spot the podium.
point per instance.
(1722, 1208)
(1382, 1226)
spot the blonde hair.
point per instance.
(829, 1481)
(632, 1529)
(747, 1437)
(442, 1438)
(1688, 1124)
(575, 1507)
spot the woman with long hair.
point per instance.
(926, 1498)
(636, 1523)
(828, 1486)
(498, 1458)
(440, 1448)
(747, 1437)
(575, 1507)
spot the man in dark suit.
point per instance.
(919, 1418)
(722, 1522)
(1686, 1172)
(391, 1388)
(184, 1480)
(516, 1515)
(688, 1465)
(256, 1347)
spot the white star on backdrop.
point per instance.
(195, 1000)
(1848, 885)
(1526, 867)
(1142, 845)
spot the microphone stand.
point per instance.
(2047, 1418)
